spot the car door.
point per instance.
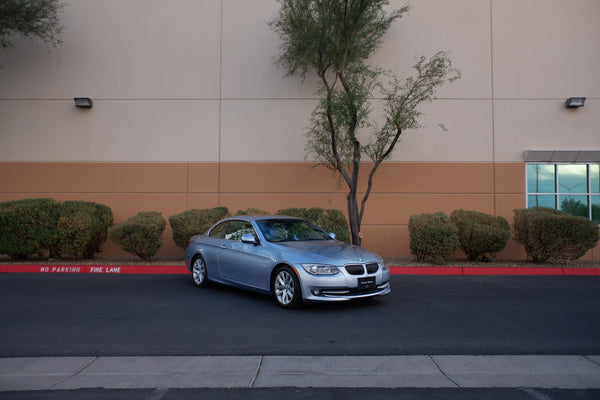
(243, 263)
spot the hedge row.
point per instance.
(140, 234)
(545, 234)
(78, 228)
(38, 226)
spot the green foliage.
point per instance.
(574, 207)
(82, 228)
(30, 19)
(330, 220)
(194, 222)
(334, 39)
(140, 234)
(28, 226)
(550, 234)
(479, 233)
(434, 236)
(75, 228)
(318, 34)
(252, 211)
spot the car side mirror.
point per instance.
(249, 238)
(332, 235)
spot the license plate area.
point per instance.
(366, 283)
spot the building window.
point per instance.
(573, 188)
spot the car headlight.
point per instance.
(383, 266)
(320, 269)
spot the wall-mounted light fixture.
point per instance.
(574, 102)
(83, 102)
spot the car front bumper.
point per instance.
(342, 286)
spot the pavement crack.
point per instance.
(158, 394)
(80, 370)
(590, 360)
(535, 394)
(262, 357)
(443, 372)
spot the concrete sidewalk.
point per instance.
(462, 371)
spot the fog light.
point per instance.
(316, 292)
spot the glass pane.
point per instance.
(539, 200)
(576, 205)
(572, 178)
(595, 178)
(596, 209)
(540, 178)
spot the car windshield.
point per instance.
(288, 230)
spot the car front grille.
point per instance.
(359, 269)
(372, 268)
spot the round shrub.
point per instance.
(434, 236)
(330, 220)
(479, 233)
(550, 234)
(140, 234)
(194, 222)
(82, 228)
(28, 226)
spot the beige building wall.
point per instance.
(190, 112)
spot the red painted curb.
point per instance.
(180, 269)
(546, 271)
(582, 271)
(97, 269)
(512, 271)
(426, 270)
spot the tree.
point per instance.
(334, 40)
(30, 19)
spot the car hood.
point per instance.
(338, 252)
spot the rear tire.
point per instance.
(199, 272)
(286, 288)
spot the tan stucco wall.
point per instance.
(189, 80)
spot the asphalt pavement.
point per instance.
(160, 337)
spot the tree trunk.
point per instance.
(354, 214)
(354, 218)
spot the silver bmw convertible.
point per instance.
(288, 258)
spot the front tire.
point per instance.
(286, 288)
(199, 272)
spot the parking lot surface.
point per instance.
(67, 333)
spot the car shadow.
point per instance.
(239, 294)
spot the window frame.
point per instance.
(557, 194)
(233, 235)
